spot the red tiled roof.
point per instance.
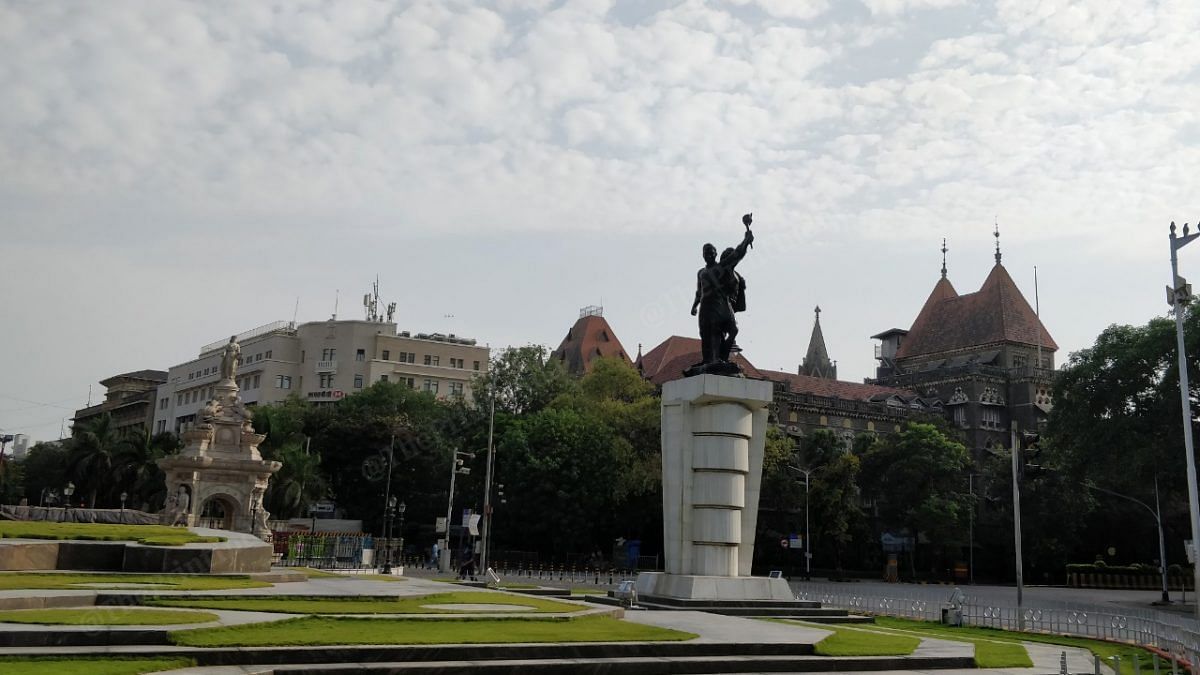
(996, 313)
(822, 386)
(672, 356)
(590, 338)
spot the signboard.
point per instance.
(795, 542)
(440, 525)
(466, 518)
(473, 524)
(1190, 550)
(338, 393)
(323, 506)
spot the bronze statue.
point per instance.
(720, 293)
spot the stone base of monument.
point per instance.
(686, 588)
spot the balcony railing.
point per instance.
(326, 366)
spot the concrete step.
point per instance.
(643, 666)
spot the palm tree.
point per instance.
(298, 483)
(93, 453)
(136, 469)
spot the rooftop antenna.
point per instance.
(296, 311)
(336, 296)
(944, 249)
(391, 311)
(89, 395)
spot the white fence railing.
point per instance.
(1174, 634)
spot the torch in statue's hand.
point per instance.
(747, 220)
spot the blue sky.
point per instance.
(174, 172)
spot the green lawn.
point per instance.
(402, 605)
(167, 582)
(354, 631)
(1105, 650)
(157, 535)
(846, 641)
(44, 665)
(104, 616)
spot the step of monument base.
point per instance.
(642, 666)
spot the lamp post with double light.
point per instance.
(807, 539)
(68, 491)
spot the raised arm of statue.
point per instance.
(734, 258)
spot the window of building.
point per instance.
(403, 357)
(1018, 361)
(258, 356)
(476, 365)
(360, 355)
(412, 358)
(431, 386)
(268, 353)
(301, 356)
(990, 418)
(210, 392)
(326, 381)
(283, 381)
(428, 360)
(358, 381)
(179, 401)
(437, 360)
(191, 376)
(256, 381)
(162, 426)
(412, 383)
(383, 378)
(163, 403)
(386, 355)
(328, 354)
(960, 415)
(456, 389)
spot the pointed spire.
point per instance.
(816, 361)
(944, 249)
(996, 233)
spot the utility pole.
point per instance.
(485, 548)
(387, 500)
(971, 531)
(1178, 294)
(1016, 451)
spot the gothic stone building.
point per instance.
(811, 398)
(985, 355)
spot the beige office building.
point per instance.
(321, 361)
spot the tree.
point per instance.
(45, 469)
(915, 478)
(298, 483)
(136, 469)
(93, 455)
(524, 380)
(1117, 422)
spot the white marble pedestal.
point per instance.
(713, 432)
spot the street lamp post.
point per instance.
(389, 516)
(1178, 293)
(68, 491)
(456, 467)
(400, 509)
(124, 496)
(1162, 541)
(807, 538)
